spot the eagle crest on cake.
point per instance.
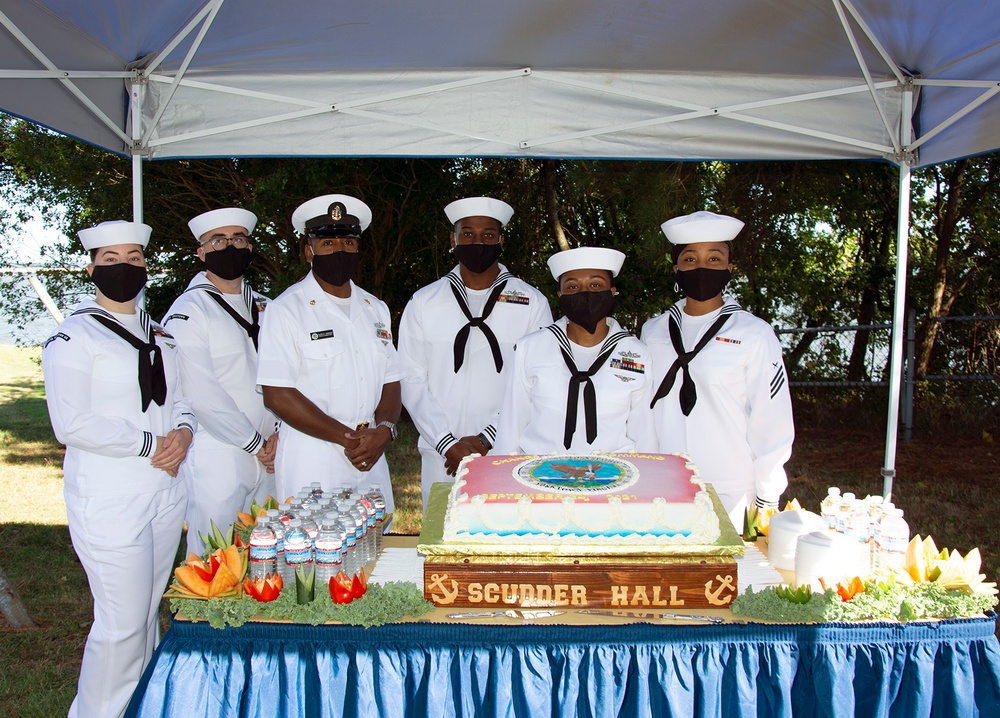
(576, 474)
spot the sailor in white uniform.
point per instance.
(114, 399)
(582, 383)
(216, 322)
(725, 402)
(327, 365)
(456, 341)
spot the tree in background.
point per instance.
(818, 248)
(956, 246)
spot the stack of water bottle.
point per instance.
(329, 531)
(876, 527)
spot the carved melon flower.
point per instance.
(924, 563)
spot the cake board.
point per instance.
(478, 576)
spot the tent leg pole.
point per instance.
(136, 188)
(898, 329)
(136, 101)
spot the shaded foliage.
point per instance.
(818, 249)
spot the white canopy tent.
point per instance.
(912, 82)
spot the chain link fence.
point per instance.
(966, 351)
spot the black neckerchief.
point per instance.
(578, 378)
(462, 338)
(252, 328)
(688, 393)
(152, 379)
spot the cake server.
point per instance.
(685, 617)
(510, 613)
(650, 614)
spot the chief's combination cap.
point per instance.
(226, 217)
(479, 207)
(586, 258)
(117, 231)
(332, 215)
(701, 227)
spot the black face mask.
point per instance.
(702, 284)
(119, 282)
(477, 258)
(336, 268)
(229, 263)
(587, 308)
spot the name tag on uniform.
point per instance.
(324, 334)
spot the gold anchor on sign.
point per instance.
(713, 596)
(437, 581)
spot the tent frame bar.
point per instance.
(211, 7)
(182, 70)
(64, 79)
(346, 107)
(838, 5)
(945, 124)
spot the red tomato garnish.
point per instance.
(338, 591)
(263, 589)
(357, 587)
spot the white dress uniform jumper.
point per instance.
(339, 361)
(217, 337)
(727, 404)
(600, 403)
(124, 516)
(456, 347)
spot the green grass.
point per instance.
(947, 487)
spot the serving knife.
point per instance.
(510, 613)
(650, 614)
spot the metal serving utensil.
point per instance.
(650, 614)
(510, 613)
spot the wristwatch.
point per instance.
(392, 428)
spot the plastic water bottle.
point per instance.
(345, 491)
(351, 555)
(263, 550)
(309, 523)
(368, 511)
(891, 540)
(285, 513)
(345, 524)
(856, 527)
(360, 529)
(315, 488)
(274, 520)
(329, 550)
(828, 507)
(298, 550)
(875, 512)
(378, 500)
(310, 501)
(843, 509)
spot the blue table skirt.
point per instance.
(441, 670)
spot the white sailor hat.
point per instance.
(701, 227)
(479, 207)
(586, 258)
(117, 231)
(226, 217)
(332, 215)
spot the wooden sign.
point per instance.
(694, 582)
